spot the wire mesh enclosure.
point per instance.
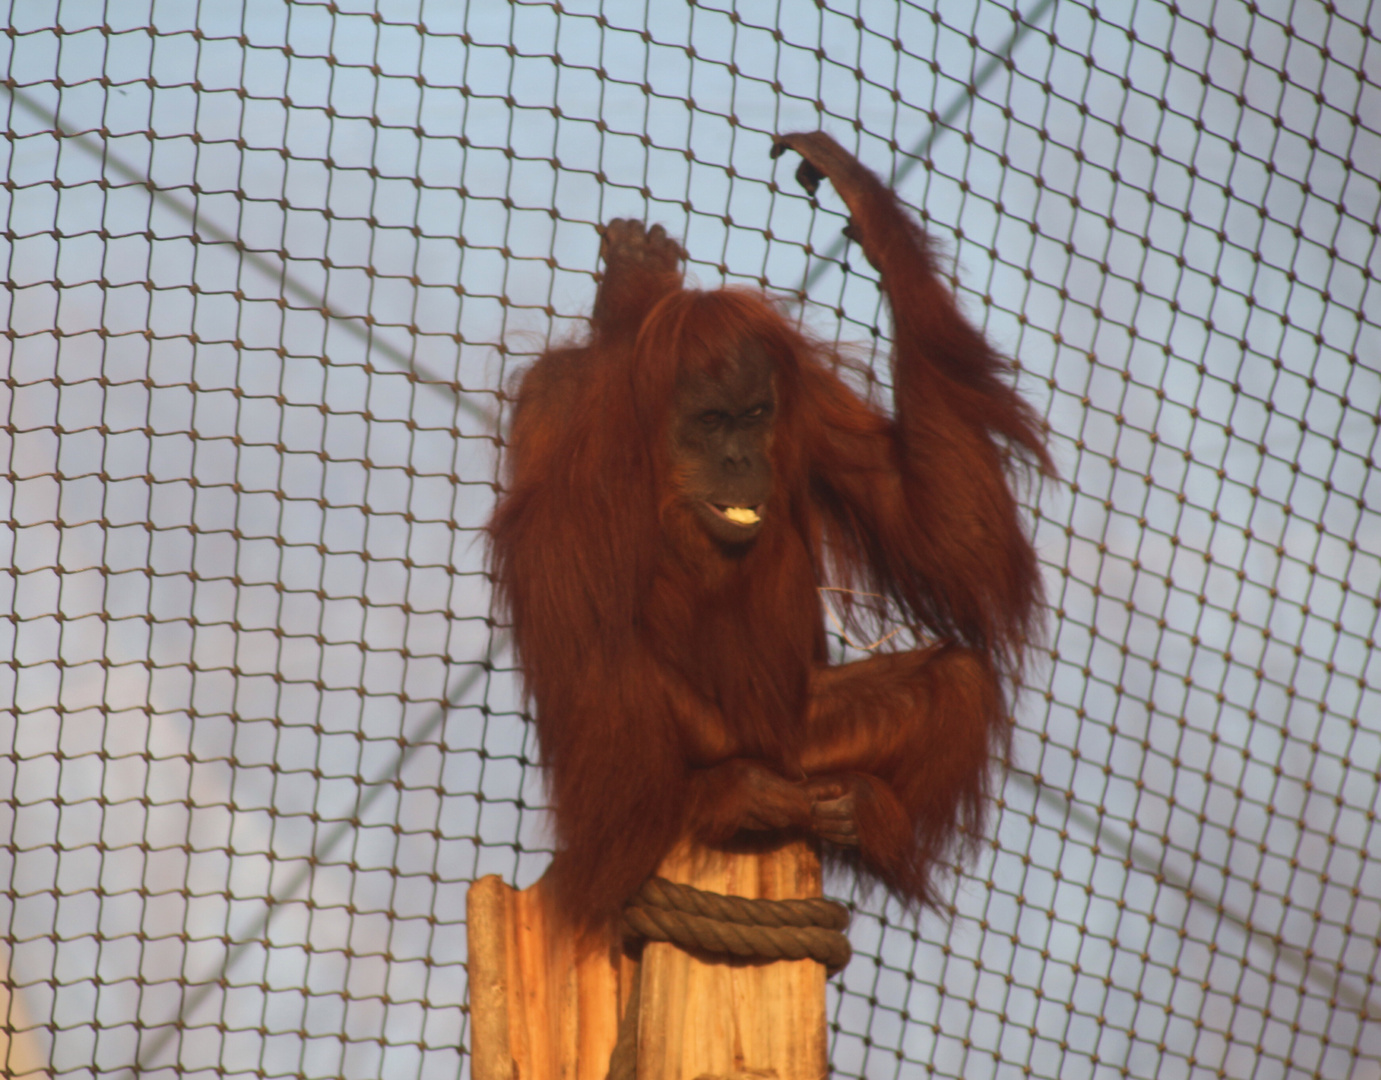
(268, 269)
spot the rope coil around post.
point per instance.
(736, 926)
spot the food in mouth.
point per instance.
(739, 515)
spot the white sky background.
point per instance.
(244, 579)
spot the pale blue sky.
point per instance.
(253, 539)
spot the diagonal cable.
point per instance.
(266, 262)
(368, 794)
(1330, 982)
(945, 122)
(276, 269)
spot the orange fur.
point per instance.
(654, 656)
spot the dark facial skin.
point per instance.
(721, 437)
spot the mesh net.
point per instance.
(268, 267)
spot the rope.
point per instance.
(737, 926)
(669, 896)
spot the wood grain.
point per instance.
(705, 1016)
(546, 1007)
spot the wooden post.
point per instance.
(20, 1052)
(731, 1018)
(544, 1009)
(541, 1004)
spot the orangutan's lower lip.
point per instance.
(738, 515)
